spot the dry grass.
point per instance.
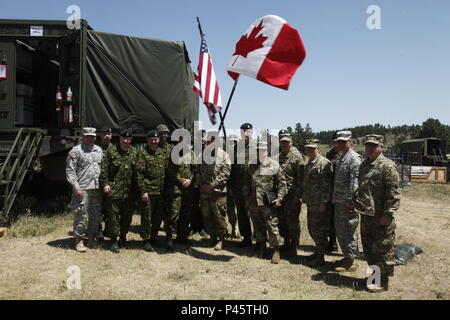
(34, 260)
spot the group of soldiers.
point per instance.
(263, 197)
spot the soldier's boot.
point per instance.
(100, 237)
(319, 259)
(123, 240)
(311, 257)
(276, 256)
(219, 245)
(92, 243)
(79, 245)
(246, 242)
(262, 250)
(169, 242)
(294, 247)
(154, 239)
(332, 246)
(115, 245)
(384, 285)
(212, 241)
(348, 265)
(148, 246)
(233, 233)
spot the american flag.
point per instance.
(206, 85)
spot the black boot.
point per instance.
(246, 242)
(123, 240)
(169, 242)
(115, 245)
(148, 246)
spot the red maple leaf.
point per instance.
(248, 44)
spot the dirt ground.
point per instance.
(35, 257)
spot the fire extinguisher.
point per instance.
(58, 98)
(68, 115)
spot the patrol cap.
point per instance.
(262, 145)
(285, 137)
(343, 135)
(126, 132)
(152, 134)
(374, 138)
(246, 126)
(312, 143)
(89, 132)
(233, 137)
(104, 130)
(162, 128)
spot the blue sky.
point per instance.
(351, 76)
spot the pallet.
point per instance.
(433, 175)
(3, 233)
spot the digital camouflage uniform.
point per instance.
(378, 195)
(150, 171)
(317, 188)
(345, 186)
(259, 179)
(118, 172)
(291, 163)
(82, 172)
(239, 171)
(214, 206)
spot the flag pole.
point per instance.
(222, 118)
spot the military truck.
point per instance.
(425, 152)
(54, 81)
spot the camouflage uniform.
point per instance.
(214, 205)
(378, 195)
(239, 171)
(82, 172)
(150, 171)
(259, 179)
(231, 200)
(317, 184)
(118, 172)
(333, 156)
(180, 204)
(104, 213)
(345, 186)
(291, 163)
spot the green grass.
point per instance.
(28, 226)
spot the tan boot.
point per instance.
(276, 256)
(79, 245)
(218, 246)
(348, 265)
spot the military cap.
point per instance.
(312, 143)
(152, 134)
(89, 132)
(285, 137)
(104, 130)
(233, 137)
(126, 132)
(374, 138)
(344, 135)
(262, 145)
(283, 132)
(162, 128)
(246, 126)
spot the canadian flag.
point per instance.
(270, 51)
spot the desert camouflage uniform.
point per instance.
(317, 189)
(239, 171)
(291, 163)
(378, 195)
(82, 172)
(345, 186)
(214, 205)
(118, 172)
(150, 171)
(261, 178)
